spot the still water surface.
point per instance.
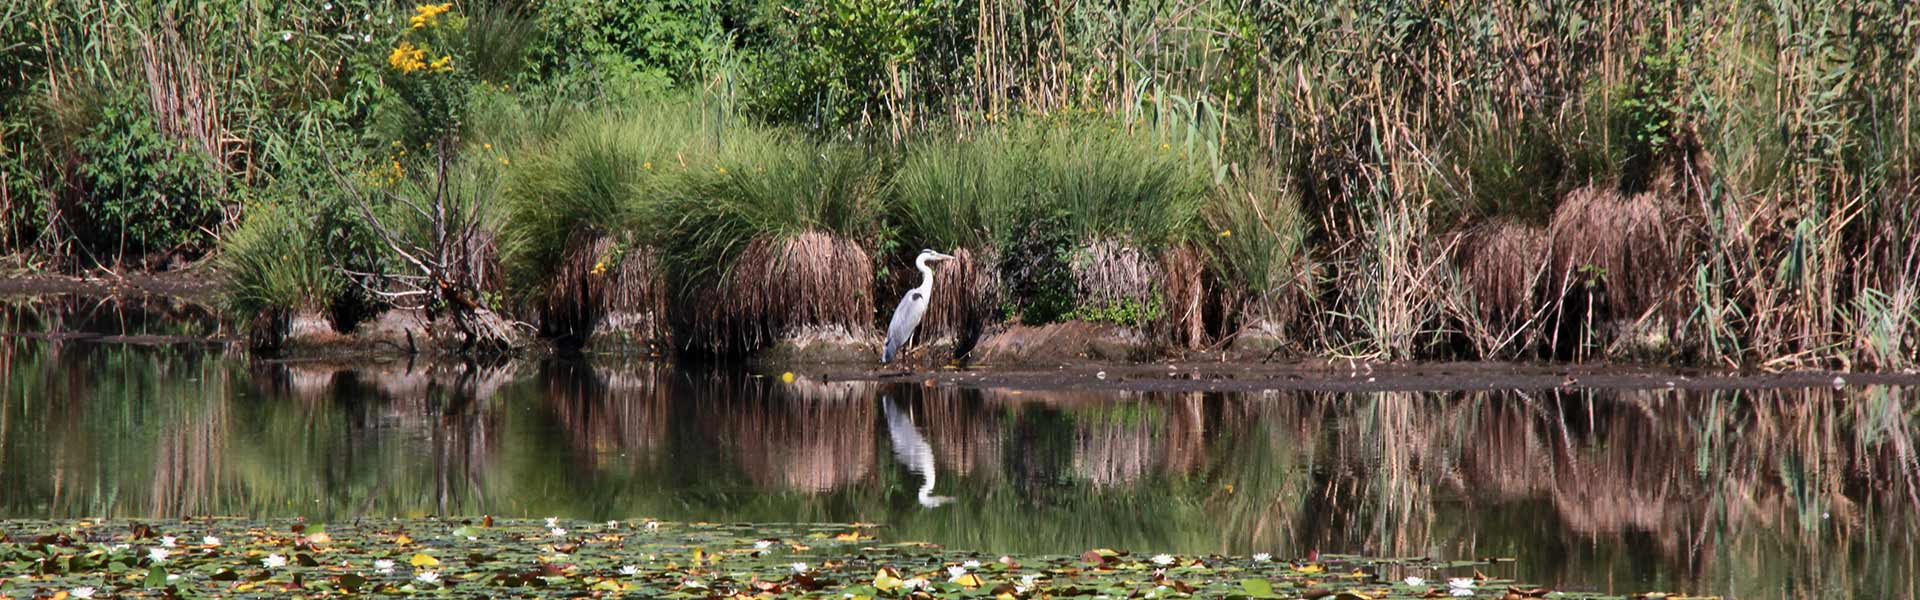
(1783, 493)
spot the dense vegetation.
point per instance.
(1717, 182)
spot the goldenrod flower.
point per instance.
(427, 15)
(405, 58)
(443, 64)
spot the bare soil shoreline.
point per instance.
(1200, 373)
(1338, 376)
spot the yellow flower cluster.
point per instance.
(405, 58)
(428, 15)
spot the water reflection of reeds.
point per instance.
(806, 436)
(1753, 493)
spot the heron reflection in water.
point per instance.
(913, 450)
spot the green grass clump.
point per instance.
(952, 194)
(764, 185)
(1258, 236)
(1036, 194)
(274, 261)
(601, 173)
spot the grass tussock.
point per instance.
(1629, 251)
(273, 262)
(1503, 263)
(777, 286)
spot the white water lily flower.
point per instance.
(172, 577)
(81, 592)
(613, 524)
(158, 555)
(917, 583)
(956, 572)
(553, 522)
(169, 541)
(694, 583)
(653, 524)
(1162, 559)
(428, 577)
(120, 548)
(1026, 582)
(1262, 557)
(762, 545)
(274, 561)
(1462, 592)
(799, 567)
(629, 570)
(1460, 583)
(1415, 581)
(210, 541)
(558, 532)
(383, 566)
(972, 564)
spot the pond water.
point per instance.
(1769, 493)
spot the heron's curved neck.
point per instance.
(926, 275)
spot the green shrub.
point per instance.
(678, 40)
(144, 192)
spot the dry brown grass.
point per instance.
(1504, 263)
(598, 278)
(776, 286)
(1634, 247)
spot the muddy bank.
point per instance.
(1340, 376)
(197, 284)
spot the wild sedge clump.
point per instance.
(769, 240)
(578, 242)
(277, 267)
(1073, 211)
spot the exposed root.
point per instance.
(603, 286)
(1184, 316)
(966, 300)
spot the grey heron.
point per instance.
(906, 317)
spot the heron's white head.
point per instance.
(932, 256)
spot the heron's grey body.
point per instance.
(906, 317)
